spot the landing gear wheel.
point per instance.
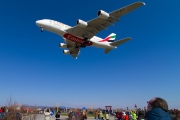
(42, 29)
(76, 47)
(85, 42)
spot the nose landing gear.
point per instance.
(42, 29)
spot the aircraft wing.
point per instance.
(98, 24)
(74, 51)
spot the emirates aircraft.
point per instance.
(83, 34)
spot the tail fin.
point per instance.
(109, 38)
(116, 43)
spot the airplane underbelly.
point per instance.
(75, 39)
(102, 45)
(55, 29)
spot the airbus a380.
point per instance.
(83, 34)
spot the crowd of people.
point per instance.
(3, 110)
(77, 115)
(72, 115)
(157, 109)
(101, 115)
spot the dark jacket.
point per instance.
(158, 114)
(141, 115)
(58, 115)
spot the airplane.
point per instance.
(83, 34)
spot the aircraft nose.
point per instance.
(38, 22)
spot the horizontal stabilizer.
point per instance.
(107, 50)
(116, 43)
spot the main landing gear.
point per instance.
(76, 47)
(85, 42)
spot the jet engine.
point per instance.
(82, 23)
(66, 51)
(102, 14)
(62, 45)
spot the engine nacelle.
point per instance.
(82, 23)
(62, 45)
(102, 14)
(66, 51)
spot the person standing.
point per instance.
(77, 114)
(133, 115)
(106, 116)
(1, 114)
(81, 117)
(177, 114)
(1, 110)
(70, 115)
(84, 115)
(101, 115)
(47, 114)
(58, 115)
(127, 116)
(96, 115)
(140, 115)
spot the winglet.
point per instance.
(144, 4)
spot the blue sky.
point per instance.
(33, 69)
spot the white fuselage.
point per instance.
(60, 29)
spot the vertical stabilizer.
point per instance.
(109, 38)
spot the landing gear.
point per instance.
(42, 29)
(76, 47)
(85, 42)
